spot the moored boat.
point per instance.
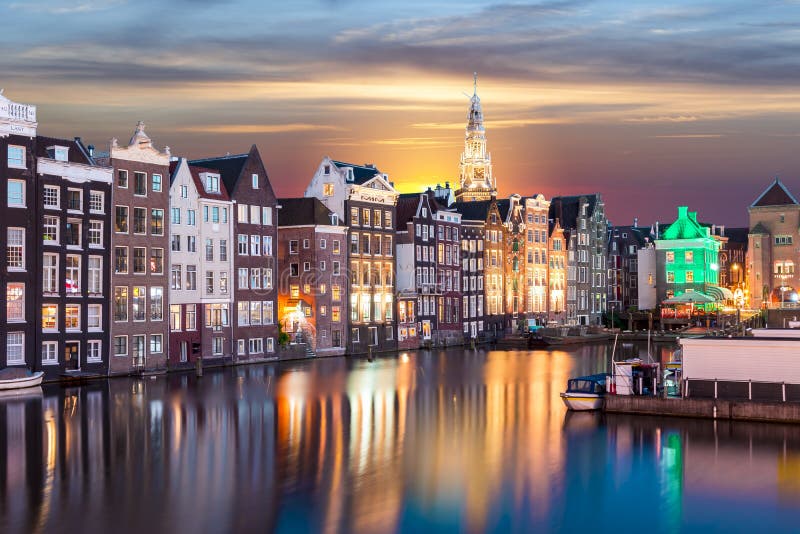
(585, 392)
(18, 378)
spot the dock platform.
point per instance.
(774, 412)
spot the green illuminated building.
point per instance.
(687, 259)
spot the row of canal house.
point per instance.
(166, 260)
(56, 233)
(130, 259)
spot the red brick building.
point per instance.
(312, 282)
(255, 330)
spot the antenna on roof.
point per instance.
(474, 83)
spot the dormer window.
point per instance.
(350, 176)
(58, 153)
(334, 219)
(212, 183)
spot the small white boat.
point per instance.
(585, 393)
(17, 378)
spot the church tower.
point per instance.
(475, 169)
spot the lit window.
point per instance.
(49, 317)
(327, 190)
(120, 303)
(15, 248)
(15, 302)
(72, 317)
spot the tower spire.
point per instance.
(477, 181)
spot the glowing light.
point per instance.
(404, 357)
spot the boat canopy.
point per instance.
(690, 297)
(588, 384)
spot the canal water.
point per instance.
(451, 441)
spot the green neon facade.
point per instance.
(690, 255)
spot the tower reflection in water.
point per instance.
(464, 441)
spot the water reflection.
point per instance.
(454, 441)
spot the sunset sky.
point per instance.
(651, 104)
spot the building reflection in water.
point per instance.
(467, 441)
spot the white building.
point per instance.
(647, 278)
(201, 271)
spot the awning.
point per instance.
(720, 293)
(690, 297)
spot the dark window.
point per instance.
(139, 183)
(139, 220)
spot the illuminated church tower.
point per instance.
(477, 182)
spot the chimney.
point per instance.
(636, 221)
(91, 150)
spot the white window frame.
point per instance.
(49, 357)
(94, 346)
(23, 200)
(20, 337)
(49, 190)
(98, 315)
(22, 160)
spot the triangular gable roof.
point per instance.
(378, 182)
(567, 209)
(685, 226)
(406, 209)
(304, 211)
(229, 167)
(775, 195)
(759, 228)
